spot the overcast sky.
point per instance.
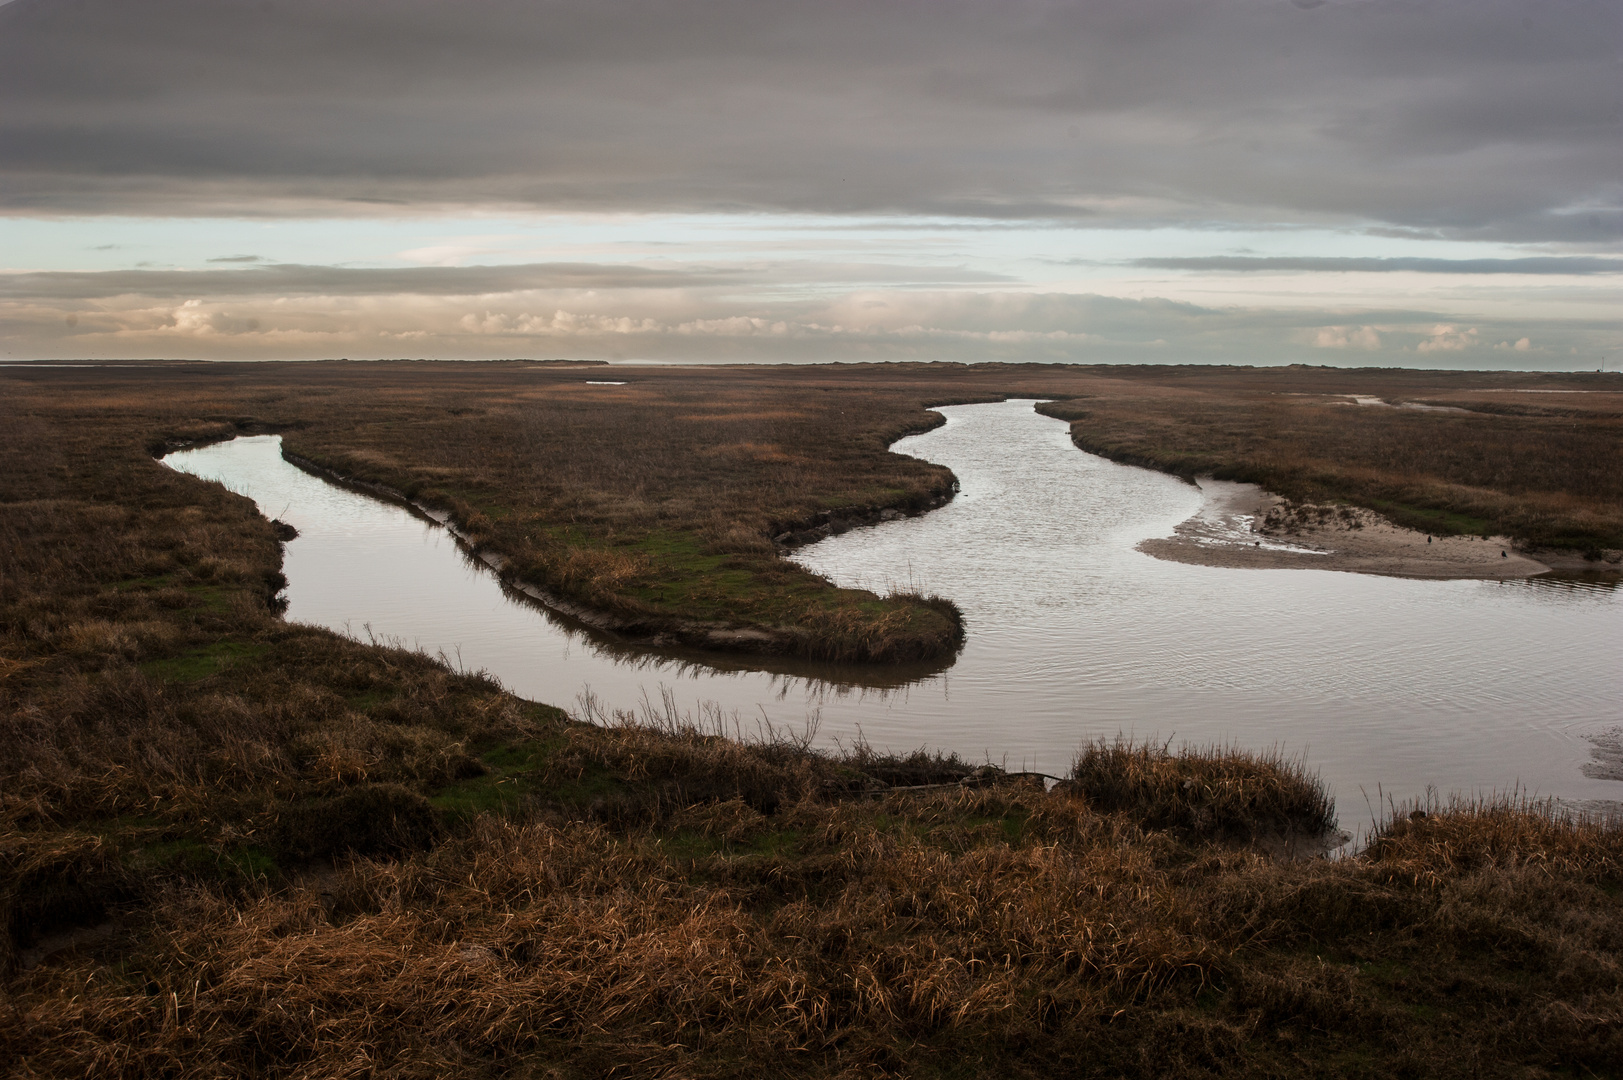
(1415, 182)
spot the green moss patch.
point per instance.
(524, 774)
(192, 857)
(197, 664)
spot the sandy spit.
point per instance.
(1241, 525)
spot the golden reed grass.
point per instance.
(845, 938)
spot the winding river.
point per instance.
(1390, 687)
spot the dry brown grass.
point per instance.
(1469, 834)
(1212, 791)
(234, 847)
(984, 932)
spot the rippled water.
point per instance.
(1389, 682)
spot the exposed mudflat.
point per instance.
(1241, 525)
(1607, 751)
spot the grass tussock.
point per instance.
(1508, 832)
(1215, 791)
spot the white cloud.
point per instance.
(707, 324)
(559, 324)
(1445, 337)
(1347, 337)
(738, 326)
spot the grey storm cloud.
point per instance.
(1570, 264)
(292, 279)
(1470, 118)
(298, 280)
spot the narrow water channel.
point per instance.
(1385, 685)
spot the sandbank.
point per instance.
(1241, 525)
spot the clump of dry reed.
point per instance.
(1438, 838)
(1211, 791)
(516, 939)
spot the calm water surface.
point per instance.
(1389, 682)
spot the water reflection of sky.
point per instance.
(1385, 684)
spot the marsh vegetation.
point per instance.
(1529, 456)
(230, 845)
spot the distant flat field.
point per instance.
(661, 499)
(1531, 455)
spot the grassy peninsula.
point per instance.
(1533, 457)
(234, 846)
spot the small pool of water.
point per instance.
(1388, 686)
